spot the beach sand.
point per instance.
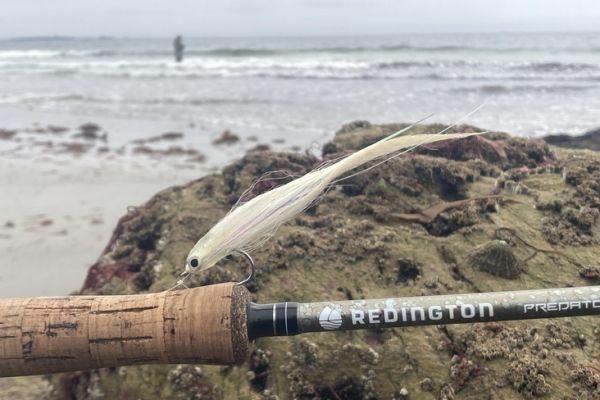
(56, 219)
(64, 188)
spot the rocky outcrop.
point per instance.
(405, 228)
(589, 140)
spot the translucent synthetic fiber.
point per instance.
(250, 224)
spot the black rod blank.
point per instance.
(285, 319)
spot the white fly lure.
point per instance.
(251, 223)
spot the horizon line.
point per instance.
(290, 36)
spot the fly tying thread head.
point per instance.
(186, 274)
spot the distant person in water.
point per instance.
(178, 48)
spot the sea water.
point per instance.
(305, 88)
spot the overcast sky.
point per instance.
(290, 17)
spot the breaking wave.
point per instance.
(272, 51)
(305, 68)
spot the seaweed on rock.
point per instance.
(350, 246)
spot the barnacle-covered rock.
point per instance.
(497, 258)
(352, 244)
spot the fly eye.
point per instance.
(193, 262)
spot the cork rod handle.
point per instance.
(205, 325)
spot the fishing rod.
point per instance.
(216, 324)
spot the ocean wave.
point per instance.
(504, 76)
(338, 74)
(48, 54)
(275, 51)
(182, 101)
(306, 68)
(233, 52)
(492, 89)
(407, 64)
(33, 98)
(555, 66)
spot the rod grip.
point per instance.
(205, 325)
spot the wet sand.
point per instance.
(65, 186)
(56, 220)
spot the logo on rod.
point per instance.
(330, 319)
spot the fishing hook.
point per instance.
(252, 266)
(180, 282)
